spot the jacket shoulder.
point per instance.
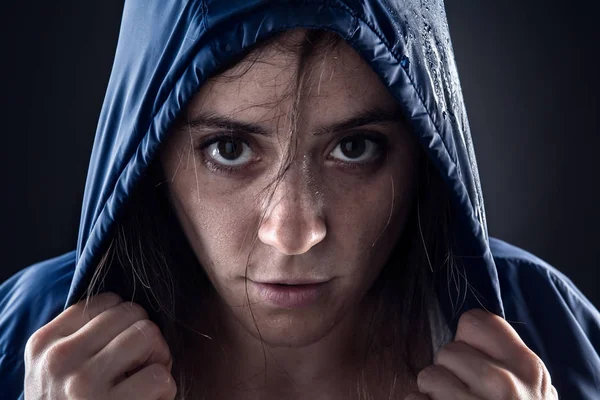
(28, 300)
(511, 259)
(553, 317)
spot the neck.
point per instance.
(234, 364)
(247, 365)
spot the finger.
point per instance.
(153, 382)
(440, 384)
(475, 369)
(97, 333)
(140, 345)
(491, 335)
(79, 314)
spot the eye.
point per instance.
(356, 149)
(229, 151)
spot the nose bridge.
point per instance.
(296, 193)
(293, 221)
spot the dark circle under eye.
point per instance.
(353, 147)
(230, 149)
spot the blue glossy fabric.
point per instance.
(168, 48)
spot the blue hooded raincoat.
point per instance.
(168, 48)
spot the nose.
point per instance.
(293, 223)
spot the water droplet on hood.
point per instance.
(404, 62)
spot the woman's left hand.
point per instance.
(487, 360)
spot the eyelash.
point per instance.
(213, 166)
(379, 140)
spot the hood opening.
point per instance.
(166, 52)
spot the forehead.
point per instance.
(278, 84)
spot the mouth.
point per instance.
(291, 295)
(294, 282)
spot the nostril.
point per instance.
(292, 236)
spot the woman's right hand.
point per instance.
(107, 351)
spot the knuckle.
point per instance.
(89, 307)
(537, 377)
(71, 309)
(36, 343)
(99, 303)
(165, 380)
(442, 355)
(159, 373)
(133, 309)
(554, 393)
(466, 323)
(56, 357)
(448, 350)
(469, 316)
(500, 382)
(78, 386)
(425, 376)
(104, 298)
(109, 297)
(170, 387)
(533, 369)
(148, 329)
(473, 318)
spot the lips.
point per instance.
(289, 282)
(291, 295)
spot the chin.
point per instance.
(290, 328)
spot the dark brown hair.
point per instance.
(149, 260)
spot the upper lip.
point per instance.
(292, 282)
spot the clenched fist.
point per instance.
(487, 360)
(109, 350)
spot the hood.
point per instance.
(167, 49)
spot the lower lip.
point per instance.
(291, 296)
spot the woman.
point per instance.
(283, 202)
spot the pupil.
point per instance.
(353, 148)
(229, 149)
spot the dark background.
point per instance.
(529, 78)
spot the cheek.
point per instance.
(367, 218)
(219, 228)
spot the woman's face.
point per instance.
(334, 214)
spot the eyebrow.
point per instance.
(216, 121)
(368, 117)
(375, 116)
